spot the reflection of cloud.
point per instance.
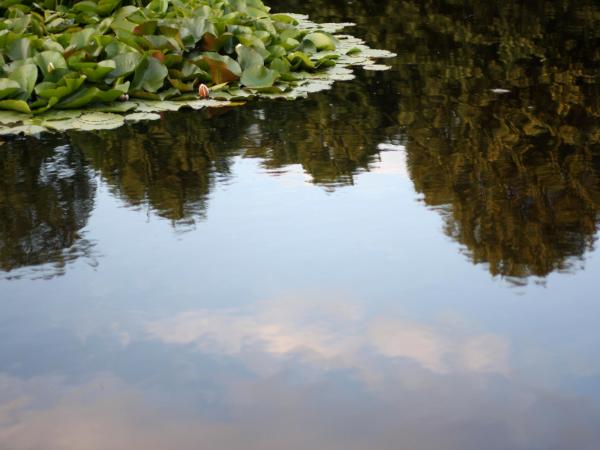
(295, 375)
(341, 333)
(44, 414)
(477, 353)
(417, 411)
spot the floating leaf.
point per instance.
(49, 61)
(15, 105)
(88, 121)
(158, 54)
(27, 130)
(125, 64)
(248, 57)
(26, 75)
(321, 41)
(222, 68)
(376, 67)
(258, 77)
(149, 75)
(8, 88)
(138, 117)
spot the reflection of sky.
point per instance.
(300, 372)
(294, 317)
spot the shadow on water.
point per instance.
(496, 104)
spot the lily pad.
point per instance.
(140, 116)
(146, 57)
(89, 121)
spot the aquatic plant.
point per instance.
(116, 57)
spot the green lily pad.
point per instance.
(26, 75)
(321, 41)
(89, 121)
(8, 88)
(15, 105)
(258, 77)
(86, 55)
(150, 75)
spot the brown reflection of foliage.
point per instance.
(518, 167)
(46, 197)
(170, 165)
(500, 104)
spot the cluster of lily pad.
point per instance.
(88, 60)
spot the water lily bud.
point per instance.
(124, 98)
(203, 91)
(50, 67)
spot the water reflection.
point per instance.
(300, 372)
(171, 165)
(489, 113)
(500, 103)
(46, 197)
(497, 106)
(500, 106)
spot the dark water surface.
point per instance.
(406, 262)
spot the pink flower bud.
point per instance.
(203, 91)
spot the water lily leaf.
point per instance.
(87, 95)
(146, 28)
(79, 99)
(119, 107)
(149, 75)
(248, 57)
(258, 77)
(376, 67)
(105, 7)
(20, 49)
(99, 71)
(138, 117)
(87, 122)
(82, 38)
(284, 18)
(15, 105)
(59, 115)
(157, 7)
(64, 87)
(181, 86)
(8, 88)
(195, 28)
(27, 130)
(125, 64)
(26, 76)
(86, 6)
(300, 61)
(49, 61)
(12, 117)
(322, 41)
(222, 68)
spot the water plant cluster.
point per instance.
(120, 56)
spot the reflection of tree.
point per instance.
(332, 134)
(520, 170)
(46, 197)
(516, 174)
(171, 165)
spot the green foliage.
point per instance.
(76, 54)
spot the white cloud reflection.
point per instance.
(296, 375)
(320, 330)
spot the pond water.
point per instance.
(407, 261)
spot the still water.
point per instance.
(405, 262)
